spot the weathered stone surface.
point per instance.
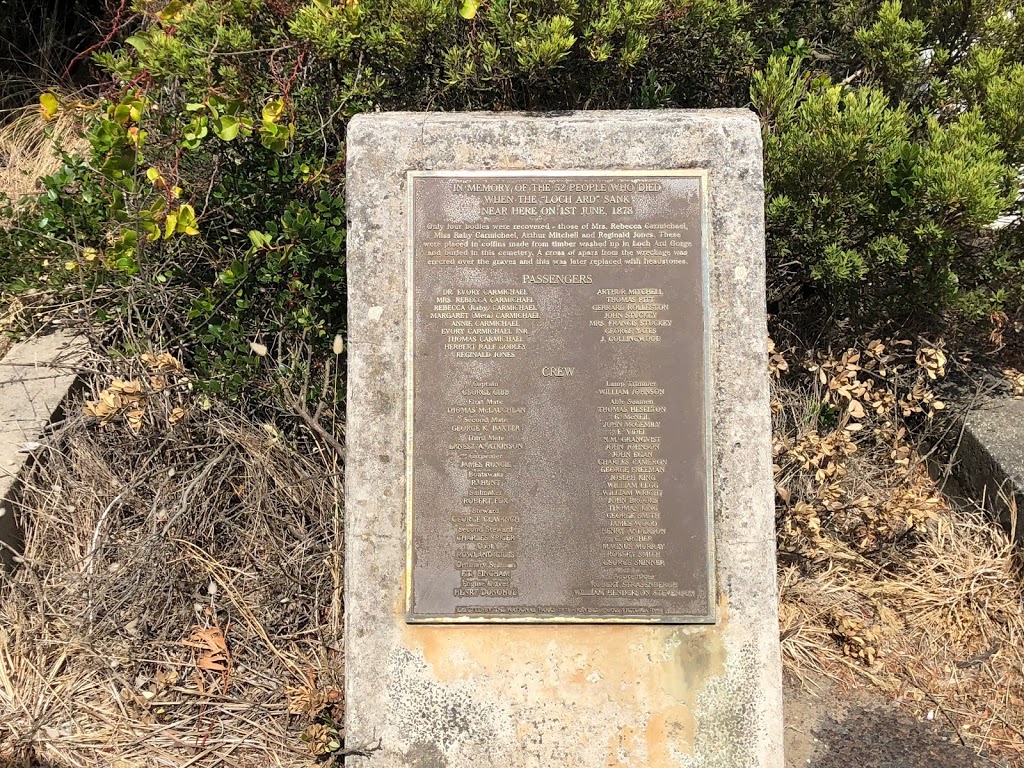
(989, 469)
(35, 377)
(589, 696)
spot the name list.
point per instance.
(558, 432)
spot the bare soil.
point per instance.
(829, 727)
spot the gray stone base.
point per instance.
(560, 696)
(989, 464)
(35, 377)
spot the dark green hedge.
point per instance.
(209, 212)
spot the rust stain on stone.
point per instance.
(642, 681)
(669, 732)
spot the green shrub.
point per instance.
(209, 212)
(869, 203)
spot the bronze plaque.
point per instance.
(557, 383)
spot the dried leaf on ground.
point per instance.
(882, 581)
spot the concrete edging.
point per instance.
(36, 376)
(989, 464)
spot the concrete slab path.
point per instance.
(35, 377)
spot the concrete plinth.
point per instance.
(989, 469)
(560, 695)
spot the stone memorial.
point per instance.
(559, 505)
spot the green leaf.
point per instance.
(126, 264)
(170, 225)
(118, 164)
(226, 128)
(138, 42)
(195, 132)
(272, 110)
(122, 112)
(48, 105)
(469, 8)
(171, 11)
(186, 223)
(233, 273)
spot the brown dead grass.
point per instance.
(881, 582)
(179, 597)
(946, 624)
(179, 602)
(29, 145)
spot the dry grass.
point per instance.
(28, 148)
(880, 580)
(179, 600)
(946, 624)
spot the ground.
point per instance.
(830, 728)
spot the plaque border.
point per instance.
(703, 619)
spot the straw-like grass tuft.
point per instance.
(29, 148)
(179, 596)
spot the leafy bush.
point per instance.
(117, 229)
(208, 213)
